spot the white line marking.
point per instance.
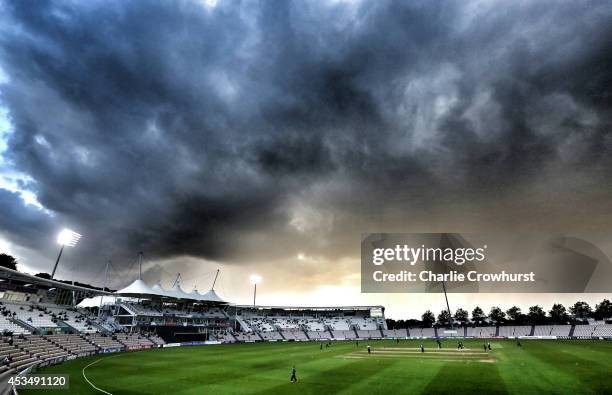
(92, 384)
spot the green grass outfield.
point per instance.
(540, 366)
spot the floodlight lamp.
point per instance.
(255, 279)
(68, 238)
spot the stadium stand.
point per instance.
(39, 347)
(422, 332)
(603, 331)
(515, 331)
(29, 314)
(552, 330)
(134, 341)
(104, 342)
(225, 337)
(294, 334)
(337, 324)
(484, 331)
(584, 331)
(155, 339)
(319, 335)
(283, 323)
(313, 325)
(74, 344)
(344, 335)
(400, 333)
(369, 334)
(272, 335)
(7, 326)
(247, 337)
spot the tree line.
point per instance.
(578, 313)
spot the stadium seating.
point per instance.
(455, 332)
(134, 341)
(294, 334)
(422, 332)
(514, 331)
(74, 344)
(104, 342)
(35, 316)
(78, 320)
(260, 324)
(313, 325)
(395, 333)
(582, 331)
(319, 335)
(603, 331)
(272, 335)
(369, 334)
(283, 323)
(344, 335)
(337, 323)
(247, 337)
(156, 339)
(482, 331)
(39, 347)
(7, 326)
(225, 337)
(552, 330)
(367, 323)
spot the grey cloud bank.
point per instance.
(250, 131)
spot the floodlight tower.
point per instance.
(65, 238)
(255, 279)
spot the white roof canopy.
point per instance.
(140, 288)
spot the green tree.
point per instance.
(558, 314)
(428, 318)
(444, 317)
(536, 315)
(514, 314)
(603, 310)
(462, 315)
(8, 261)
(497, 315)
(477, 315)
(581, 310)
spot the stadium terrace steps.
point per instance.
(247, 337)
(344, 335)
(483, 331)
(589, 331)
(272, 335)
(103, 341)
(294, 334)
(515, 331)
(134, 341)
(395, 333)
(156, 339)
(552, 330)
(72, 343)
(318, 335)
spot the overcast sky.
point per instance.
(267, 136)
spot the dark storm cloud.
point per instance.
(182, 129)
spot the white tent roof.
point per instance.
(138, 287)
(178, 292)
(211, 296)
(159, 290)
